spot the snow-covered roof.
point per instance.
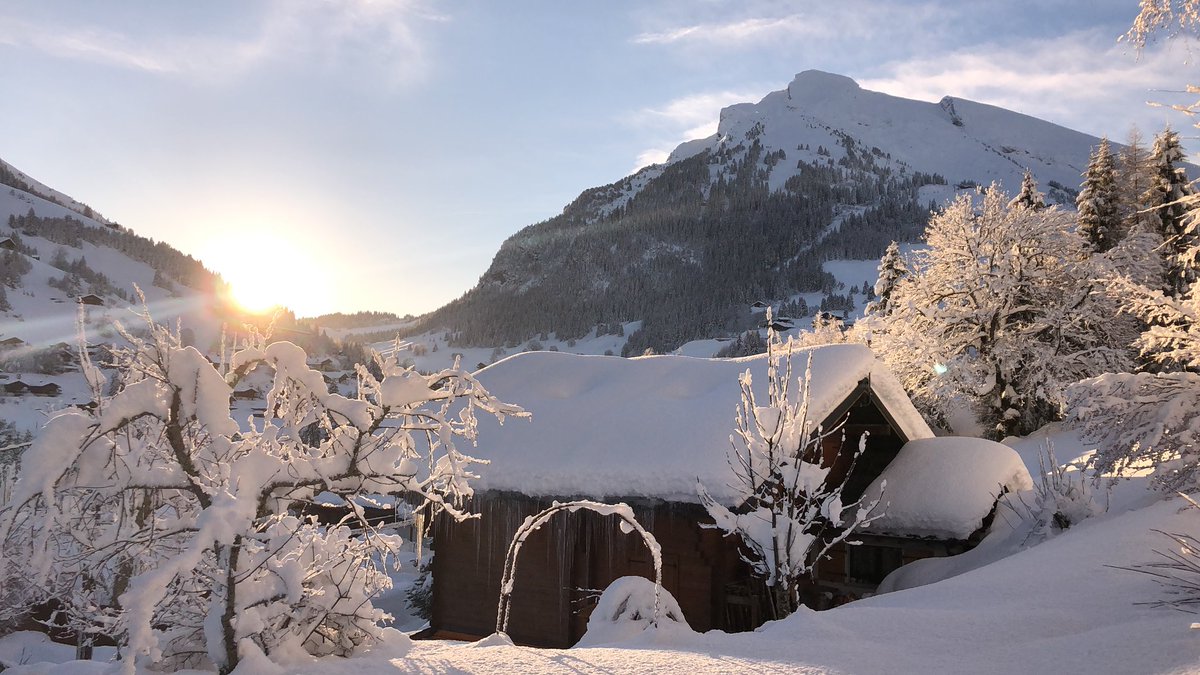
(650, 426)
(944, 487)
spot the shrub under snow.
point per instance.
(627, 607)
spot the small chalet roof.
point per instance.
(651, 426)
(944, 487)
(91, 299)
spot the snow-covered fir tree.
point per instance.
(1099, 217)
(1168, 197)
(891, 270)
(1029, 197)
(162, 523)
(998, 314)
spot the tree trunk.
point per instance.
(228, 636)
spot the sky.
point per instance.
(346, 155)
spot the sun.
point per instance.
(256, 295)
(266, 272)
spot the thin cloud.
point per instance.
(89, 44)
(1090, 87)
(683, 119)
(370, 34)
(759, 24)
(735, 32)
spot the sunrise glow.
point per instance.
(269, 272)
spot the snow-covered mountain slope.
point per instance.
(11, 176)
(60, 256)
(957, 138)
(54, 252)
(822, 170)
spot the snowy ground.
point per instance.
(1057, 607)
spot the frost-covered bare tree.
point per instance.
(161, 521)
(998, 314)
(1173, 18)
(791, 510)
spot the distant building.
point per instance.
(7, 244)
(21, 387)
(91, 299)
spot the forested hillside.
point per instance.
(688, 255)
(820, 171)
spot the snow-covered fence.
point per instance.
(628, 524)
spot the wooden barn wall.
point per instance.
(564, 566)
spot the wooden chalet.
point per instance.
(91, 299)
(11, 343)
(21, 387)
(644, 431)
(7, 244)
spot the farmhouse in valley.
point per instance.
(644, 431)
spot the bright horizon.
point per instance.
(374, 154)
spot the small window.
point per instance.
(870, 564)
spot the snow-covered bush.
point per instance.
(627, 608)
(790, 513)
(159, 520)
(1062, 497)
(1148, 420)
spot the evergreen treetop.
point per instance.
(1099, 217)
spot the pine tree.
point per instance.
(1099, 219)
(891, 270)
(1167, 195)
(1029, 196)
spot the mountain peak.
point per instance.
(820, 82)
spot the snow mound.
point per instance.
(626, 609)
(648, 427)
(493, 640)
(944, 487)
